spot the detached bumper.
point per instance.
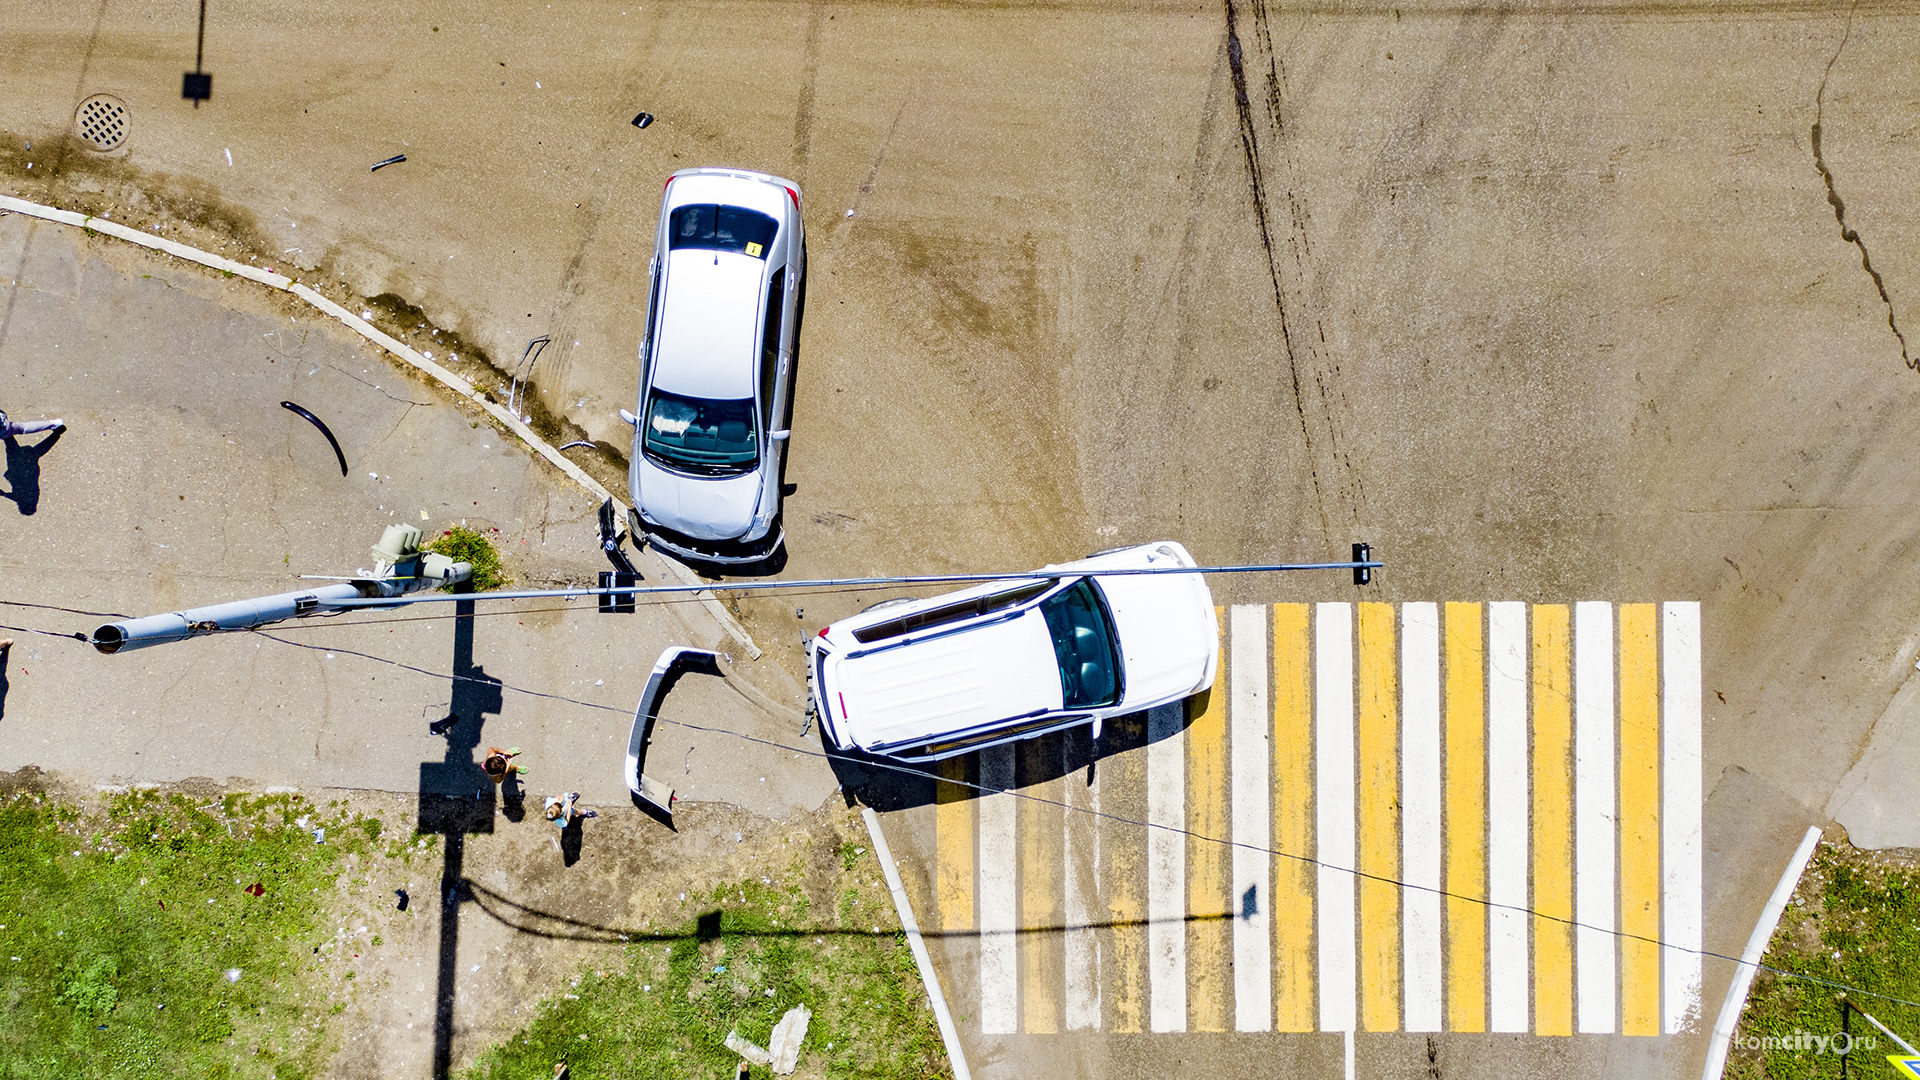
(725, 552)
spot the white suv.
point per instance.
(715, 359)
(926, 679)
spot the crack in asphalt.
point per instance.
(397, 423)
(1848, 232)
(375, 386)
(1256, 179)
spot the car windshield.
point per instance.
(1083, 644)
(721, 228)
(699, 435)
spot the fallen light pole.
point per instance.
(406, 569)
(1362, 571)
(400, 568)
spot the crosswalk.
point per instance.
(1417, 817)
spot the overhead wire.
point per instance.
(984, 789)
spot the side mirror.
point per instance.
(778, 436)
(632, 420)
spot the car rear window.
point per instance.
(721, 228)
(1083, 644)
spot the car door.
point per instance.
(773, 382)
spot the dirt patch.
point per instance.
(61, 171)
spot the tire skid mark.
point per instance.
(1256, 180)
(1331, 466)
(809, 77)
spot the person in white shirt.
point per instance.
(11, 428)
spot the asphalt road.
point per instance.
(1549, 303)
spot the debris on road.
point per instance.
(316, 422)
(394, 160)
(643, 120)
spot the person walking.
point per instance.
(499, 764)
(11, 428)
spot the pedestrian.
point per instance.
(564, 810)
(10, 428)
(499, 764)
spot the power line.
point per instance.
(1308, 860)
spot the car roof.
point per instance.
(709, 324)
(948, 683)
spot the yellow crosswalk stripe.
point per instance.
(953, 842)
(1378, 753)
(1208, 884)
(1293, 881)
(1465, 720)
(1639, 821)
(1552, 821)
(1126, 870)
(1040, 826)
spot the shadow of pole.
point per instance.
(447, 810)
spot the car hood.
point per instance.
(703, 507)
(948, 684)
(1169, 634)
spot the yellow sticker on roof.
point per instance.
(753, 249)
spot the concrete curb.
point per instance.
(659, 566)
(941, 1014)
(1736, 1001)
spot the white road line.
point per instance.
(1333, 811)
(1252, 752)
(1507, 815)
(1420, 837)
(999, 897)
(918, 946)
(1081, 940)
(1595, 838)
(1166, 870)
(1680, 812)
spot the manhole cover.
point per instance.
(102, 120)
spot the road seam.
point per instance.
(661, 566)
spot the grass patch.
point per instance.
(463, 544)
(1854, 920)
(132, 943)
(746, 953)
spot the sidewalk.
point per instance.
(181, 481)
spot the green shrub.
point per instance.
(463, 544)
